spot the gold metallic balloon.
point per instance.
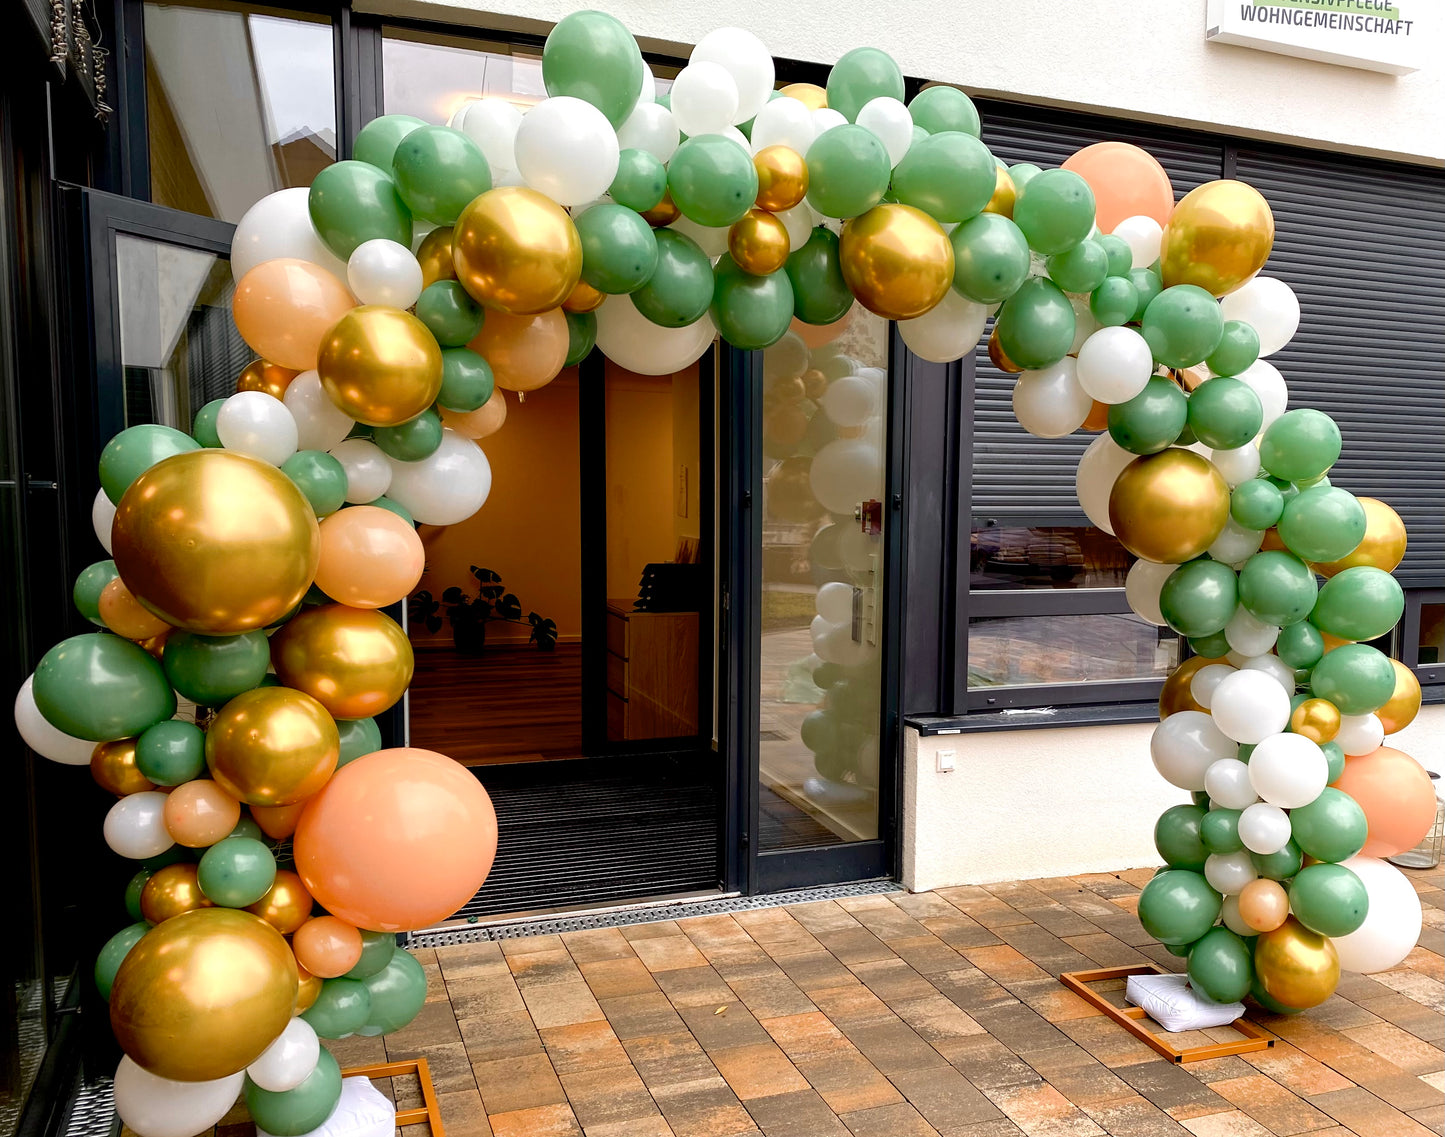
(583, 298)
(1169, 507)
(1316, 719)
(356, 662)
(203, 994)
(170, 891)
(215, 542)
(287, 905)
(1383, 546)
(1175, 695)
(380, 365)
(1396, 714)
(1218, 236)
(1005, 193)
(665, 212)
(1098, 417)
(782, 178)
(998, 357)
(516, 250)
(758, 242)
(1295, 966)
(896, 260)
(1272, 542)
(272, 746)
(112, 765)
(307, 990)
(812, 96)
(435, 256)
(1332, 642)
(156, 645)
(268, 378)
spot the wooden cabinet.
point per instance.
(652, 673)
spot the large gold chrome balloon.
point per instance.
(272, 746)
(1218, 236)
(170, 891)
(1175, 695)
(516, 250)
(268, 378)
(356, 662)
(112, 765)
(287, 905)
(1395, 715)
(782, 178)
(896, 260)
(434, 254)
(1295, 966)
(215, 542)
(1383, 546)
(1316, 719)
(1169, 507)
(203, 994)
(758, 242)
(380, 365)
(812, 96)
(1005, 193)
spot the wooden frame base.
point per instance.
(1130, 1017)
(430, 1111)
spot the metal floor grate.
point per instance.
(92, 1114)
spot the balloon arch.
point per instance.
(393, 302)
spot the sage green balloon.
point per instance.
(203, 428)
(211, 670)
(941, 108)
(377, 141)
(1152, 419)
(1225, 413)
(1256, 504)
(1121, 256)
(619, 251)
(319, 477)
(247, 827)
(1355, 677)
(751, 312)
(863, 74)
(1082, 269)
(467, 381)
(100, 687)
(1213, 646)
(89, 585)
(1221, 965)
(1024, 172)
(1300, 445)
(171, 753)
(438, 172)
(990, 258)
(1219, 831)
(1277, 588)
(1322, 524)
(1199, 597)
(133, 889)
(713, 181)
(641, 180)
(848, 171)
(1335, 756)
(449, 313)
(1055, 210)
(113, 954)
(413, 440)
(1036, 324)
(590, 55)
(680, 289)
(1238, 348)
(1178, 906)
(1329, 899)
(1113, 302)
(949, 175)
(1268, 1002)
(341, 1008)
(397, 992)
(581, 336)
(292, 1113)
(353, 202)
(1147, 285)
(1279, 865)
(1300, 645)
(359, 737)
(386, 503)
(134, 451)
(1182, 325)
(1361, 603)
(236, 872)
(1177, 837)
(1331, 828)
(820, 294)
(377, 948)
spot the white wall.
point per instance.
(1141, 60)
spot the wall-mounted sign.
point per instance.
(1377, 35)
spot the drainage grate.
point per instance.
(92, 1114)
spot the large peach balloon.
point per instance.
(1127, 182)
(1397, 796)
(398, 840)
(481, 423)
(370, 557)
(525, 352)
(283, 309)
(326, 946)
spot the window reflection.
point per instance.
(1046, 556)
(1008, 651)
(1432, 634)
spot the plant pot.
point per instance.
(470, 639)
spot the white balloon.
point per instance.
(889, 121)
(1141, 589)
(159, 1107)
(447, 486)
(1229, 912)
(1115, 364)
(279, 225)
(288, 1061)
(1229, 874)
(44, 739)
(704, 99)
(747, 59)
(1249, 635)
(1051, 403)
(493, 124)
(1143, 235)
(1085, 324)
(102, 516)
(834, 602)
(368, 472)
(1264, 828)
(1227, 784)
(384, 272)
(1269, 306)
(1236, 544)
(1236, 466)
(824, 120)
(798, 221)
(1266, 381)
(258, 424)
(649, 127)
(1276, 668)
(733, 135)
(712, 240)
(784, 122)
(320, 423)
(834, 643)
(948, 331)
(1099, 468)
(135, 826)
(1360, 734)
(1288, 770)
(567, 150)
(845, 472)
(1392, 924)
(1249, 707)
(1185, 745)
(1206, 681)
(631, 340)
(849, 401)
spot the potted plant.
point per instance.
(470, 615)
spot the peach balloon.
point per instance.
(1397, 796)
(277, 821)
(370, 557)
(284, 308)
(1127, 182)
(126, 616)
(397, 840)
(200, 813)
(525, 352)
(327, 947)
(817, 335)
(1263, 904)
(486, 420)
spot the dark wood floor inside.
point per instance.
(509, 704)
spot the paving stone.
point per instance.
(523, 1082)
(771, 996)
(718, 1028)
(944, 1097)
(583, 1046)
(757, 1070)
(799, 1114)
(593, 944)
(1270, 1104)
(542, 1121)
(847, 1081)
(1170, 1087)
(694, 987)
(608, 1097)
(612, 978)
(900, 1120)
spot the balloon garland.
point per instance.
(228, 701)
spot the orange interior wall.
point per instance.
(640, 483)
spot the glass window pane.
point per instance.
(1432, 634)
(240, 102)
(1046, 556)
(1009, 651)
